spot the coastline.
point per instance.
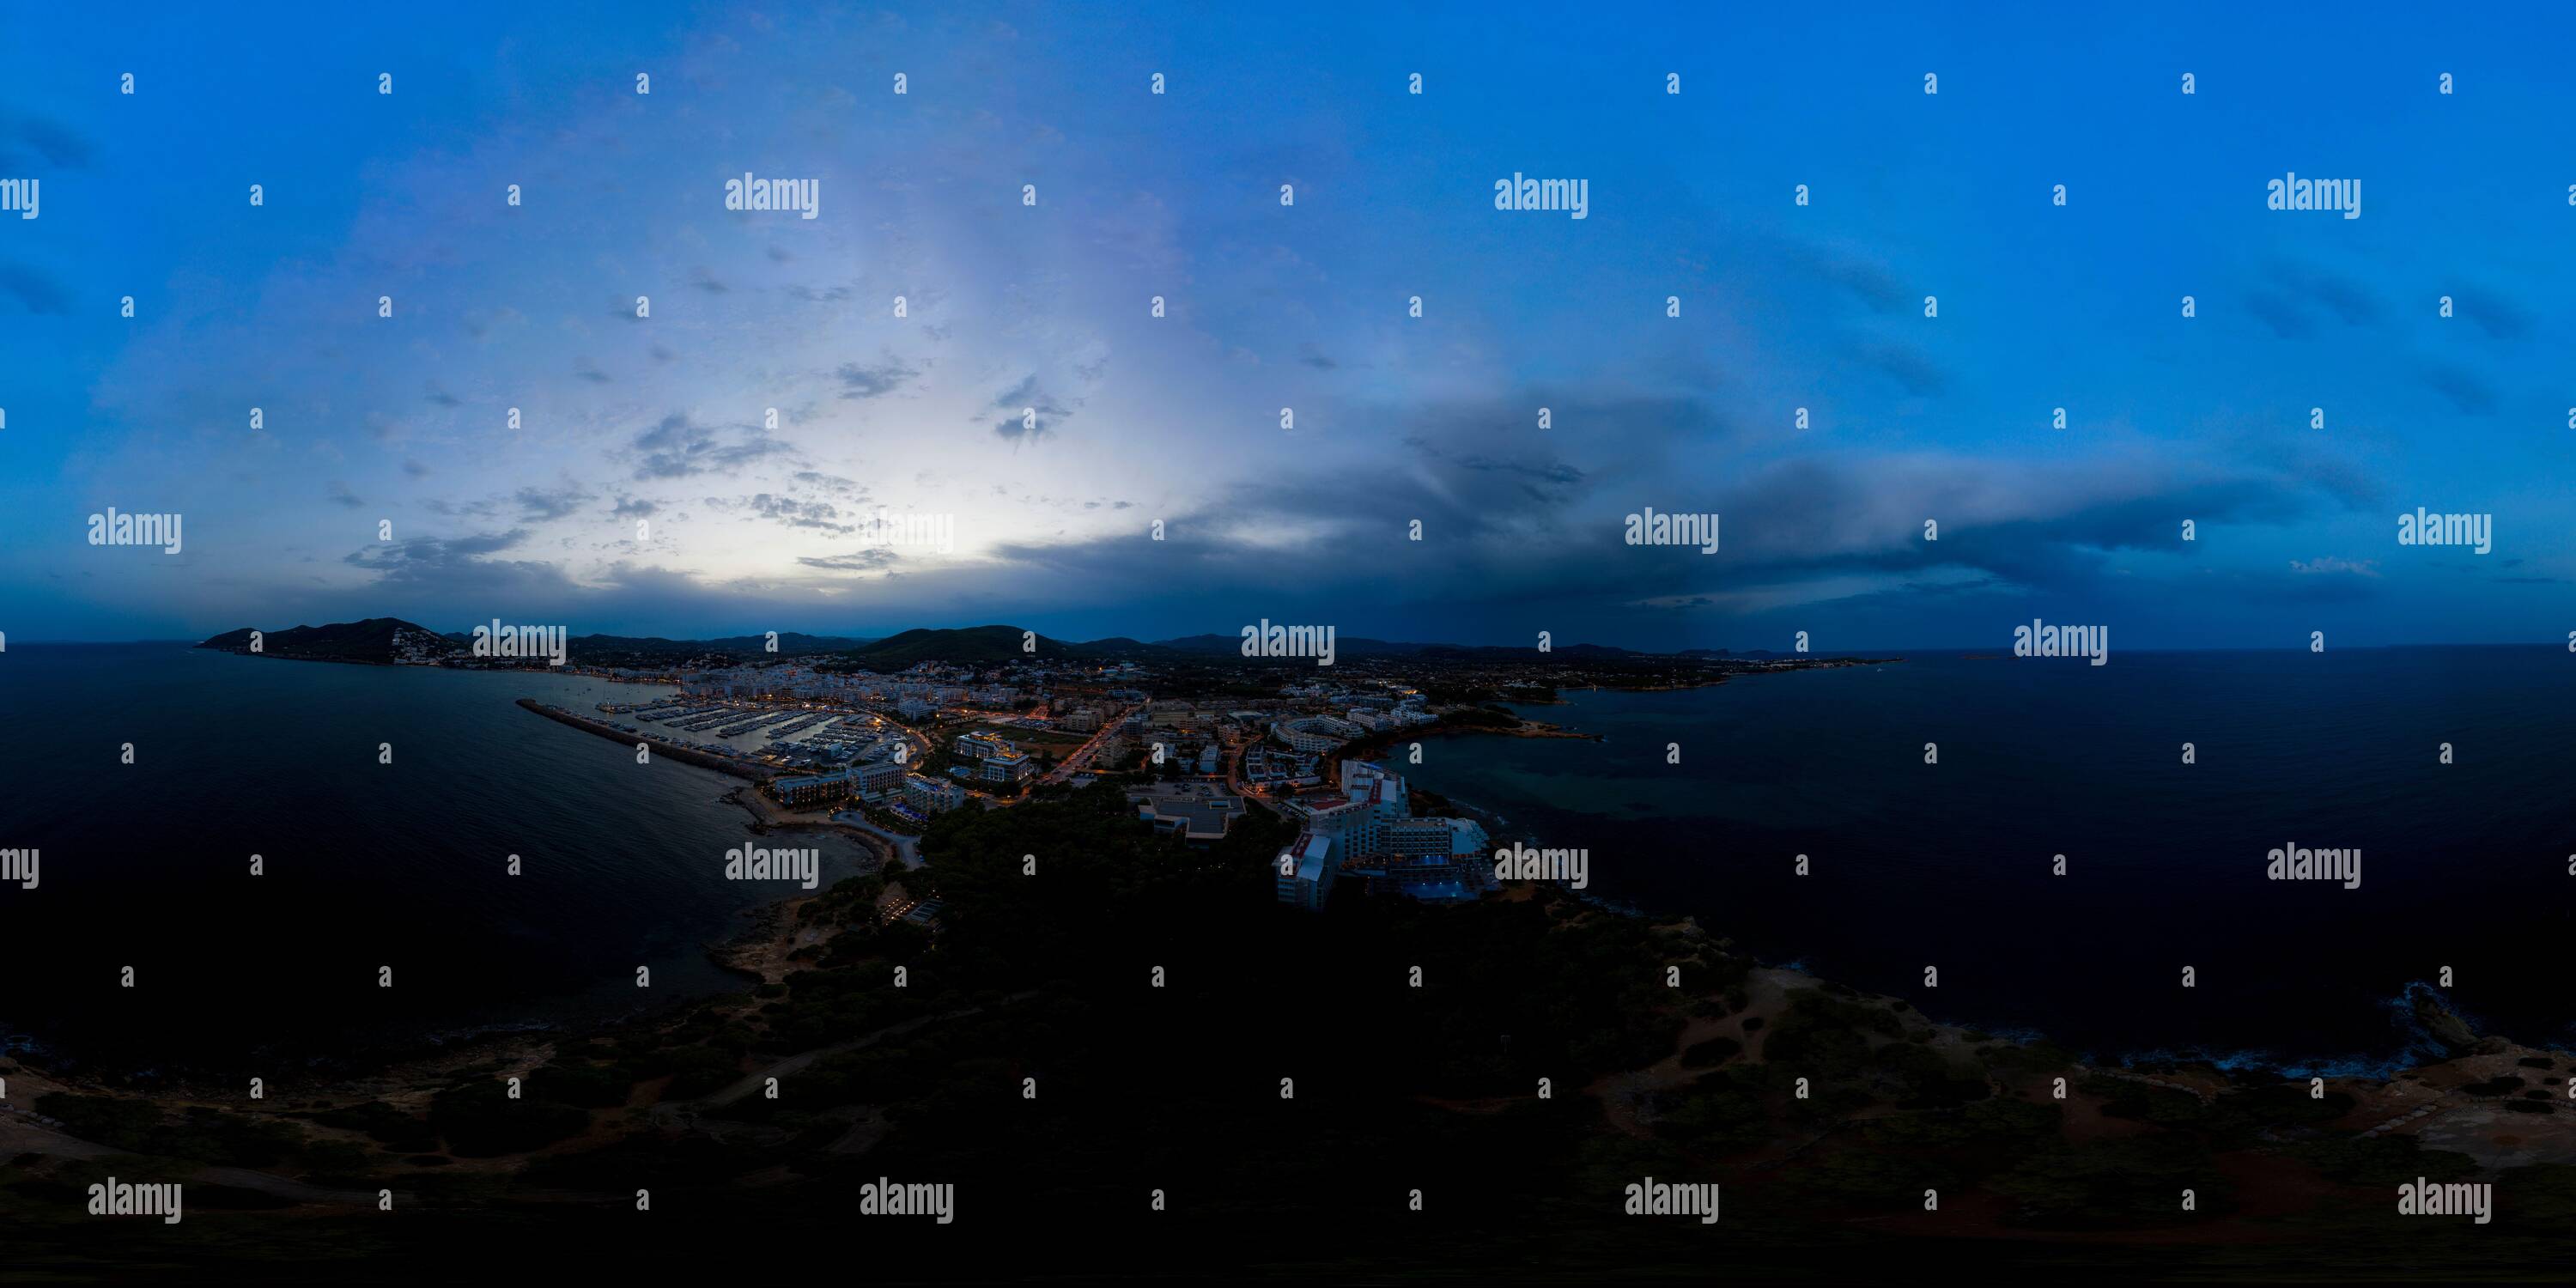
(2441, 1035)
(2470, 1101)
(771, 933)
(1383, 741)
(2444, 1091)
(769, 816)
(759, 953)
(2457, 1103)
(290, 657)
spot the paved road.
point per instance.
(1081, 756)
(1234, 778)
(906, 848)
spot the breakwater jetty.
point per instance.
(686, 755)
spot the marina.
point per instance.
(779, 737)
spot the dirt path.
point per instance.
(21, 1135)
(685, 1112)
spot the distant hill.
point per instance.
(964, 645)
(790, 644)
(388, 639)
(988, 644)
(1343, 646)
(1362, 646)
(381, 639)
(1121, 646)
(376, 639)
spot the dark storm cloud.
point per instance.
(2051, 527)
(445, 582)
(1515, 524)
(1535, 475)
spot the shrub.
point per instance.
(587, 1086)
(480, 1120)
(1715, 1051)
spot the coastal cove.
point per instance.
(367, 865)
(1950, 864)
(798, 992)
(1910, 864)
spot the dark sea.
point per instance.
(368, 865)
(2464, 865)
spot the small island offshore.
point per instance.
(1078, 993)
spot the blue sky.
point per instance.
(1015, 308)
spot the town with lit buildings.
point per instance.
(1194, 743)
